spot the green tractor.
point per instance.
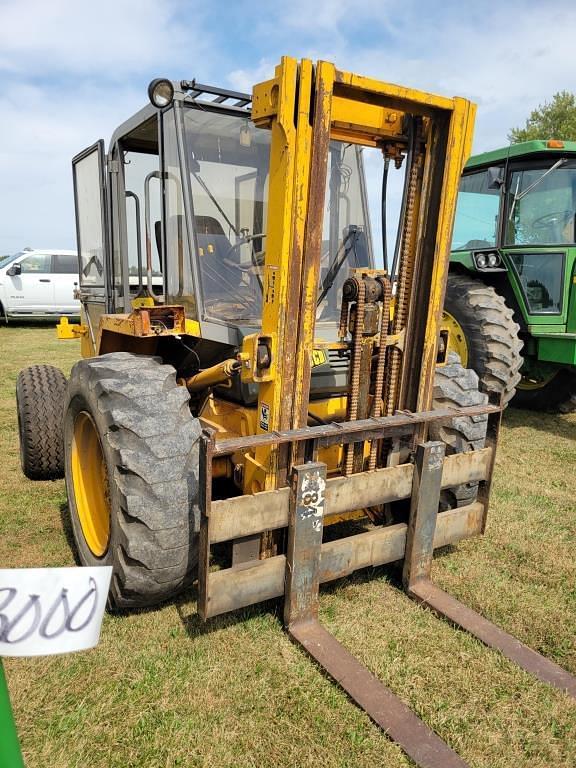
(511, 298)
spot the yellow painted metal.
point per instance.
(365, 111)
(289, 161)
(142, 301)
(143, 323)
(192, 328)
(528, 385)
(217, 375)
(250, 373)
(407, 99)
(366, 123)
(67, 330)
(460, 134)
(90, 483)
(456, 337)
(310, 182)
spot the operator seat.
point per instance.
(217, 258)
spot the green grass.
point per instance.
(163, 690)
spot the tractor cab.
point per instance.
(515, 237)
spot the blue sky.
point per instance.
(71, 71)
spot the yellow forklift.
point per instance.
(250, 379)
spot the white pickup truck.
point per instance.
(39, 283)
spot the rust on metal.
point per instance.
(205, 502)
(304, 543)
(343, 432)
(424, 502)
(355, 369)
(383, 707)
(312, 247)
(242, 516)
(406, 264)
(446, 606)
(378, 400)
(302, 582)
(230, 589)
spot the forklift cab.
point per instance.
(182, 202)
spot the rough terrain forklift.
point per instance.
(258, 408)
(511, 296)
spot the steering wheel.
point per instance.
(552, 219)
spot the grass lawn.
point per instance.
(163, 690)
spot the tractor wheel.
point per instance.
(484, 334)
(548, 394)
(40, 393)
(456, 386)
(131, 460)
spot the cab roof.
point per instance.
(522, 149)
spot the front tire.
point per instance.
(131, 460)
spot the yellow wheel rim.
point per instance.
(456, 337)
(528, 384)
(90, 482)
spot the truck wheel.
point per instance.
(549, 394)
(490, 343)
(131, 461)
(456, 386)
(40, 392)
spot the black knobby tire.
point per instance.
(554, 396)
(456, 386)
(40, 393)
(149, 443)
(494, 347)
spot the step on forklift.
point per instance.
(249, 379)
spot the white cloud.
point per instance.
(39, 134)
(111, 37)
(74, 70)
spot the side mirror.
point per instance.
(495, 177)
(15, 269)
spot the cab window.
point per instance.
(476, 222)
(65, 264)
(36, 263)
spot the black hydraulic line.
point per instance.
(383, 211)
(340, 258)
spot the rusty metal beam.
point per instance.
(344, 432)
(247, 515)
(382, 706)
(302, 581)
(424, 501)
(420, 541)
(304, 543)
(427, 593)
(231, 588)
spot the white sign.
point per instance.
(51, 610)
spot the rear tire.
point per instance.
(40, 393)
(491, 334)
(552, 396)
(148, 475)
(456, 386)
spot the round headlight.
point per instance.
(493, 260)
(161, 92)
(481, 260)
